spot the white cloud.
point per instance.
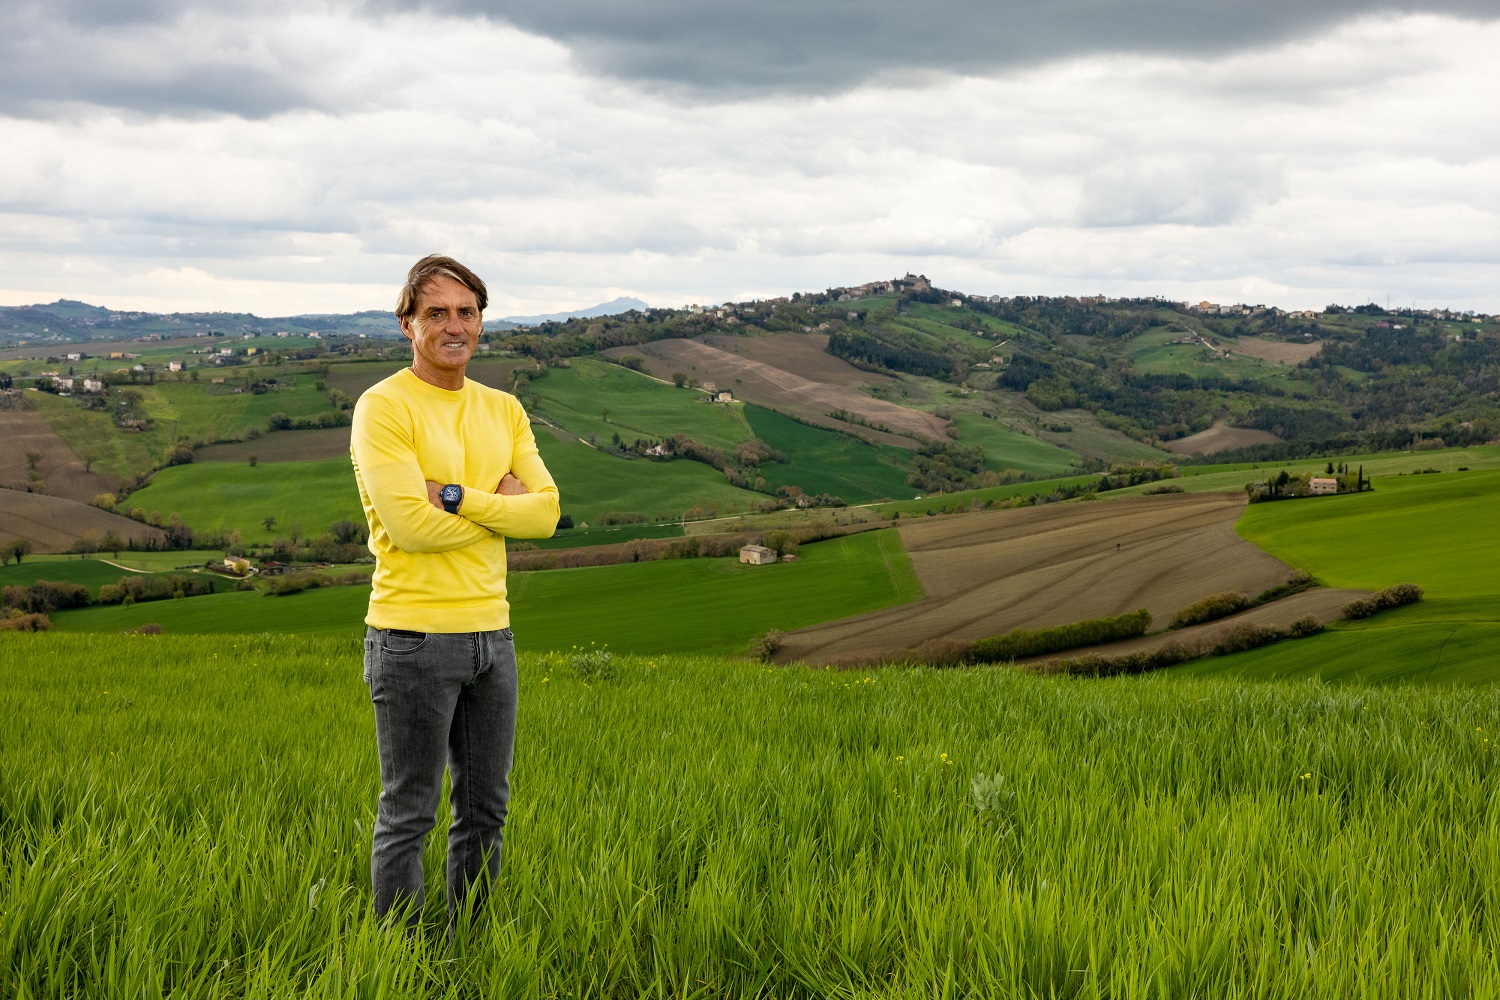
(1359, 162)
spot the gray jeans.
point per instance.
(440, 698)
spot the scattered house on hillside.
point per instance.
(1320, 486)
(757, 555)
(64, 382)
(174, 366)
(955, 303)
(93, 385)
(75, 356)
(710, 387)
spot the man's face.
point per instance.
(444, 331)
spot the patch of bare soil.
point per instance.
(804, 382)
(1219, 437)
(53, 524)
(281, 446)
(1276, 351)
(61, 468)
(1035, 567)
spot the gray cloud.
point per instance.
(800, 47)
(160, 57)
(180, 59)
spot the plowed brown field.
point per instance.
(989, 572)
(1219, 437)
(281, 446)
(1280, 352)
(828, 383)
(61, 467)
(53, 524)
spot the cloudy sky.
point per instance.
(284, 157)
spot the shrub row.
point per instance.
(1209, 609)
(295, 583)
(16, 620)
(1238, 639)
(44, 596)
(1019, 643)
(1295, 584)
(1390, 597)
(131, 589)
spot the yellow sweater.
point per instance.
(435, 571)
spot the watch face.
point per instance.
(451, 494)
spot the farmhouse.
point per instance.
(1319, 486)
(757, 555)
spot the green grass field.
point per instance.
(593, 397)
(676, 605)
(1087, 437)
(701, 828)
(1005, 448)
(238, 496)
(205, 412)
(606, 534)
(822, 461)
(1439, 532)
(592, 483)
(92, 434)
(92, 573)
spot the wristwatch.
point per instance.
(452, 496)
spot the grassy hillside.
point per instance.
(822, 461)
(593, 483)
(1005, 448)
(595, 398)
(234, 496)
(679, 605)
(92, 573)
(207, 412)
(695, 827)
(1439, 532)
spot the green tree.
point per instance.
(19, 548)
(112, 542)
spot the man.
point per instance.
(447, 468)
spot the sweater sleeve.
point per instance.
(385, 460)
(526, 515)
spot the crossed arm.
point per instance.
(524, 503)
(509, 486)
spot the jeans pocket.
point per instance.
(507, 635)
(396, 640)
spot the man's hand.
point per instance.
(435, 495)
(511, 486)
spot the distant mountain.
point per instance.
(67, 321)
(614, 307)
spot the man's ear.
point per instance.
(406, 329)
